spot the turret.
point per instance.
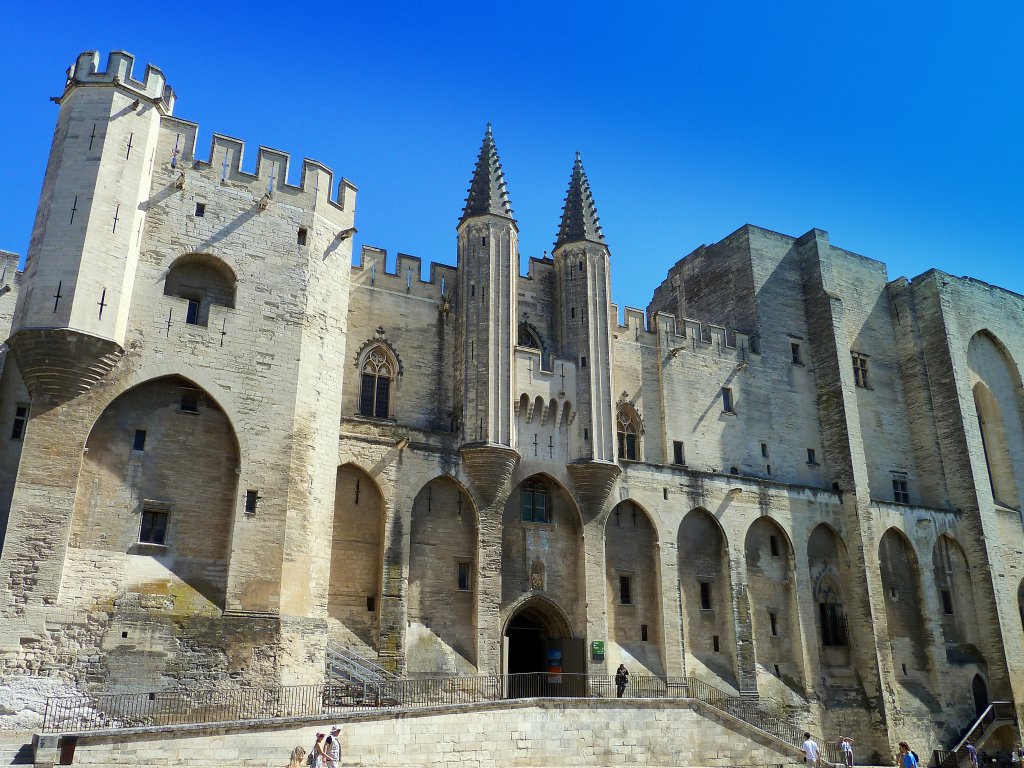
(583, 329)
(488, 261)
(70, 324)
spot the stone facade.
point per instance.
(241, 446)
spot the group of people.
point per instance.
(906, 758)
(326, 751)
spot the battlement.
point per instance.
(682, 333)
(177, 146)
(372, 271)
(153, 86)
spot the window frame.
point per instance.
(626, 589)
(900, 489)
(463, 567)
(19, 425)
(378, 373)
(628, 431)
(153, 514)
(861, 376)
(528, 513)
(728, 401)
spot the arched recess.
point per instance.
(830, 579)
(159, 479)
(704, 581)
(633, 588)
(629, 432)
(541, 653)
(772, 596)
(901, 584)
(357, 556)
(442, 581)
(996, 384)
(203, 280)
(542, 547)
(953, 582)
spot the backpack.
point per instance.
(311, 757)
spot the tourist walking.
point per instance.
(846, 745)
(317, 756)
(907, 759)
(621, 679)
(1015, 755)
(810, 747)
(332, 748)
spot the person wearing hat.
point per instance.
(333, 748)
(846, 744)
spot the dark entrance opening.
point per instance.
(980, 694)
(541, 656)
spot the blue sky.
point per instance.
(896, 127)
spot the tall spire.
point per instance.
(487, 192)
(579, 214)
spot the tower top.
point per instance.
(487, 191)
(579, 214)
(153, 87)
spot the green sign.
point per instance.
(597, 650)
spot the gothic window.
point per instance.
(534, 503)
(629, 432)
(527, 337)
(377, 373)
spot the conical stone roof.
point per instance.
(579, 214)
(487, 191)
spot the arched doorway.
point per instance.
(540, 655)
(980, 691)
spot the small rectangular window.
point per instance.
(20, 422)
(252, 499)
(773, 545)
(714, 644)
(371, 603)
(705, 596)
(727, 403)
(947, 602)
(774, 620)
(812, 458)
(764, 450)
(139, 442)
(664, 493)
(301, 238)
(777, 673)
(794, 350)
(860, 370)
(192, 312)
(200, 210)
(464, 577)
(189, 401)
(154, 527)
(643, 633)
(677, 453)
(586, 433)
(900, 490)
(583, 362)
(625, 590)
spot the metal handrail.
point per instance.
(362, 669)
(996, 711)
(187, 707)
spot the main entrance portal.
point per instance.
(539, 653)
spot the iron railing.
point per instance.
(191, 707)
(957, 756)
(345, 665)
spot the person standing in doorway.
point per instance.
(846, 745)
(621, 680)
(810, 747)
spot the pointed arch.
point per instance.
(633, 586)
(175, 497)
(706, 588)
(901, 584)
(828, 561)
(203, 280)
(357, 554)
(379, 369)
(443, 567)
(629, 430)
(953, 582)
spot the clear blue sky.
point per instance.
(896, 127)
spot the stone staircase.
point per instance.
(995, 716)
(15, 748)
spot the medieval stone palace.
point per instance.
(224, 445)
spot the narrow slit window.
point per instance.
(139, 441)
(200, 210)
(677, 453)
(812, 458)
(371, 603)
(252, 500)
(727, 400)
(705, 596)
(464, 577)
(301, 237)
(643, 633)
(774, 621)
(20, 424)
(773, 545)
(192, 312)
(715, 644)
(794, 351)
(625, 590)
(947, 602)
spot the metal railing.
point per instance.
(193, 707)
(996, 711)
(345, 665)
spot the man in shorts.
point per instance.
(810, 747)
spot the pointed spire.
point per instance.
(579, 214)
(487, 192)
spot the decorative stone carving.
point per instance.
(489, 467)
(593, 481)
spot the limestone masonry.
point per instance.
(223, 445)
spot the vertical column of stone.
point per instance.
(743, 623)
(806, 622)
(672, 641)
(844, 451)
(596, 580)
(488, 595)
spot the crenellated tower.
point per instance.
(488, 263)
(70, 324)
(583, 328)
